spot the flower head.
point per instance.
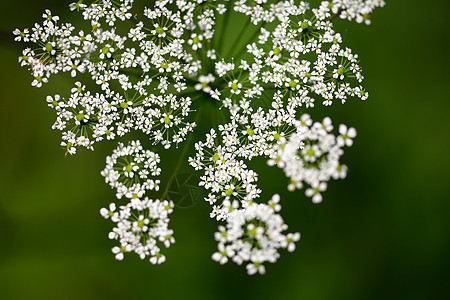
(169, 73)
(253, 235)
(140, 226)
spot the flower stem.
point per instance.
(335, 15)
(178, 166)
(224, 25)
(186, 147)
(241, 51)
(238, 37)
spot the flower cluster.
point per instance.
(254, 235)
(54, 52)
(231, 183)
(277, 62)
(130, 170)
(163, 120)
(312, 155)
(358, 10)
(129, 69)
(164, 70)
(139, 226)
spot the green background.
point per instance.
(382, 233)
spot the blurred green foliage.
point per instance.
(382, 233)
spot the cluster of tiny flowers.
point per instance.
(163, 120)
(131, 169)
(56, 49)
(85, 119)
(254, 235)
(262, 11)
(140, 226)
(232, 186)
(231, 183)
(312, 155)
(130, 69)
(277, 63)
(358, 10)
(150, 71)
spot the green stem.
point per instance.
(180, 161)
(224, 24)
(241, 51)
(238, 37)
(335, 15)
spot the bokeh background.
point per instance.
(382, 233)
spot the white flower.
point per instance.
(108, 213)
(346, 135)
(195, 41)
